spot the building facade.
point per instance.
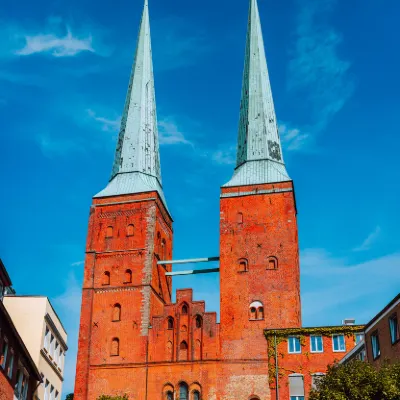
(45, 338)
(19, 376)
(133, 340)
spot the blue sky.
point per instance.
(64, 69)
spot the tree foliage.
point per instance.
(104, 397)
(359, 380)
(69, 396)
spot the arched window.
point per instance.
(106, 278)
(196, 395)
(239, 218)
(272, 263)
(243, 265)
(199, 321)
(170, 323)
(170, 396)
(256, 310)
(130, 230)
(163, 250)
(109, 232)
(115, 347)
(116, 312)
(183, 351)
(183, 391)
(128, 276)
(184, 309)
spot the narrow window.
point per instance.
(51, 392)
(184, 309)
(376, 350)
(260, 313)
(294, 345)
(4, 353)
(338, 343)
(199, 321)
(272, 263)
(394, 328)
(10, 364)
(170, 323)
(164, 250)
(46, 338)
(256, 310)
(183, 391)
(243, 265)
(183, 351)
(109, 232)
(170, 396)
(158, 244)
(253, 313)
(106, 278)
(128, 276)
(129, 230)
(296, 387)
(239, 218)
(316, 344)
(115, 347)
(116, 313)
(196, 395)
(359, 337)
(46, 390)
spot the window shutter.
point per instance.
(296, 385)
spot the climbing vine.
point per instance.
(281, 335)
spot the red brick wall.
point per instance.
(6, 389)
(389, 352)
(265, 229)
(305, 363)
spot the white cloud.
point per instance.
(58, 46)
(226, 156)
(77, 263)
(334, 288)
(169, 133)
(316, 71)
(68, 306)
(292, 139)
(370, 240)
(107, 125)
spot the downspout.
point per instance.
(276, 370)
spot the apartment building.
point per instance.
(19, 376)
(45, 338)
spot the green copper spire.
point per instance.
(259, 152)
(136, 166)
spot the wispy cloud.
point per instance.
(370, 240)
(107, 124)
(53, 146)
(77, 263)
(293, 139)
(224, 156)
(169, 133)
(58, 46)
(335, 286)
(316, 70)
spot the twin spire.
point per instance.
(136, 166)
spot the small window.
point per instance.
(183, 346)
(115, 347)
(272, 263)
(317, 345)
(394, 329)
(183, 391)
(294, 344)
(170, 323)
(359, 337)
(170, 396)
(316, 379)
(184, 309)
(239, 218)
(256, 311)
(109, 232)
(196, 395)
(106, 278)
(128, 276)
(243, 265)
(260, 313)
(338, 343)
(4, 352)
(199, 321)
(163, 250)
(253, 313)
(130, 230)
(116, 313)
(11, 364)
(376, 349)
(296, 387)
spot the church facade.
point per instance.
(133, 340)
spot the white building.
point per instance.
(45, 338)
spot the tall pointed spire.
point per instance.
(259, 151)
(136, 166)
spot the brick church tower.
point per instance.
(133, 340)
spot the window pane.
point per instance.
(339, 343)
(296, 385)
(393, 329)
(316, 344)
(359, 337)
(294, 345)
